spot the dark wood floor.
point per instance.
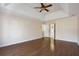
(41, 47)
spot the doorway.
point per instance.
(48, 31)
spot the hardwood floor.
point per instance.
(40, 47)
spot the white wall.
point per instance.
(78, 30)
(66, 29)
(56, 15)
(17, 29)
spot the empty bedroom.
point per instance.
(39, 29)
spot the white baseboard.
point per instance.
(67, 40)
(4, 45)
(17, 42)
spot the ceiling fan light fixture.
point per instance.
(44, 7)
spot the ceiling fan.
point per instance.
(43, 7)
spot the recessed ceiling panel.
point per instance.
(28, 9)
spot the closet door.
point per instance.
(45, 30)
(52, 31)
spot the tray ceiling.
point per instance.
(58, 10)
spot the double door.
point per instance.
(48, 31)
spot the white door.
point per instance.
(52, 31)
(45, 30)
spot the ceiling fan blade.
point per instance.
(47, 10)
(42, 4)
(49, 5)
